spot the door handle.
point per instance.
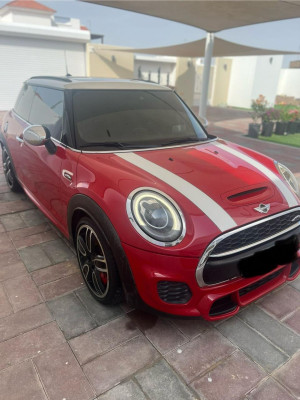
(20, 139)
(67, 174)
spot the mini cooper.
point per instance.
(160, 212)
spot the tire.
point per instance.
(9, 173)
(97, 263)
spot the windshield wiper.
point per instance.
(118, 145)
(104, 144)
(182, 141)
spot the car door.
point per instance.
(14, 124)
(42, 172)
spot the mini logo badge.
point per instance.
(263, 208)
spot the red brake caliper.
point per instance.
(103, 277)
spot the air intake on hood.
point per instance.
(247, 194)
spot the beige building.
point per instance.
(219, 85)
(110, 62)
(185, 79)
(295, 64)
(107, 62)
(160, 69)
(234, 81)
(198, 83)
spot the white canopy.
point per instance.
(222, 48)
(212, 16)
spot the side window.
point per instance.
(47, 109)
(24, 101)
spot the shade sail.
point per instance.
(211, 15)
(222, 48)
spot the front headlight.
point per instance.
(156, 217)
(289, 177)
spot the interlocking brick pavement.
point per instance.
(57, 342)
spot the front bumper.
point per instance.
(210, 302)
(252, 249)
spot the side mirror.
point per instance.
(203, 121)
(38, 135)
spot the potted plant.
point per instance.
(268, 117)
(281, 125)
(258, 107)
(294, 123)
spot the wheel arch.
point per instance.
(81, 205)
(2, 139)
(4, 147)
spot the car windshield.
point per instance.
(110, 119)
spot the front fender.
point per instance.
(80, 205)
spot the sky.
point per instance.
(125, 28)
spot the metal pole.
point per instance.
(209, 46)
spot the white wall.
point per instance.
(289, 82)
(8, 17)
(152, 66)
(241, 81)
(252, 76)
(21, 59)
(23, 17)
(266, 77)
(73, 23)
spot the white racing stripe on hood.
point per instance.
(209, 207)
(287, 194)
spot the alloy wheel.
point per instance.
(92, 261)
(7, 169)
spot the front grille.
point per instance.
(256, 233)
(259, 283)
(174, 292)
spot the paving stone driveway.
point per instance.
(57, 343)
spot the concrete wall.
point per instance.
(109, 63)
(7, 17)
(266, 77)
(179, 73)
(252, 76)
(198, 84)
(289, 83)
(23, 17)
(185, 79)
(219, 96)
(72, 23)
(241, 81)
(149, 65)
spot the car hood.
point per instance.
(217, 185)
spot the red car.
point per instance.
(175, 219)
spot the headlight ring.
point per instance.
(288, 177)
(156, 217)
